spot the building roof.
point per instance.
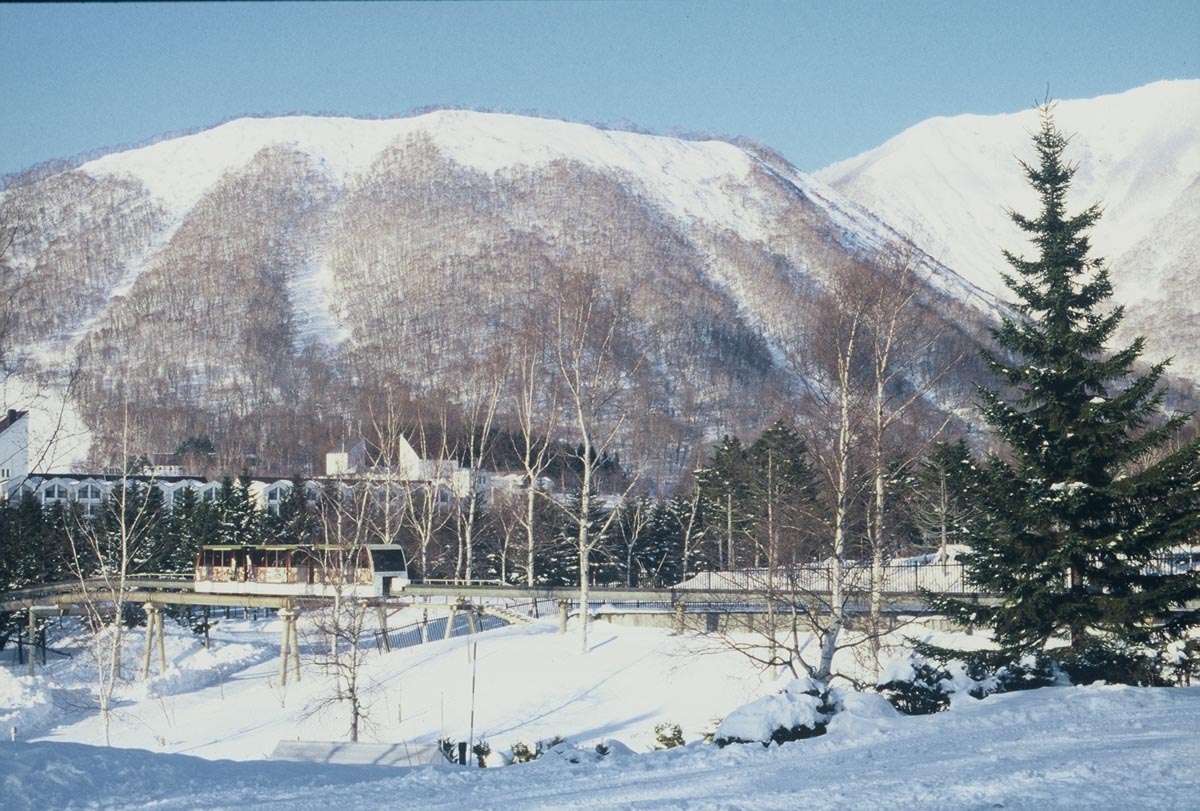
(10, 418)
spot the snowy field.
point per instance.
(1081, 747)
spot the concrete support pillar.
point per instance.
(32, 637)
(154, 639)
(563, 610)
(289, 645)
(381, 611)
(450, 620)
(472, 626)
(295, 646)
(424, 626)
(162, 644)
(679, 618)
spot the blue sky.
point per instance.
(816, 81)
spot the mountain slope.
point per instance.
(1138, 153)
(267, 278)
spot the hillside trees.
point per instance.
(9, 288)
(1078, 506)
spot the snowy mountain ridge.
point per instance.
(686, 176)
(1138, 154)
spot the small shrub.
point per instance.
(1183, 661)
(481, 750)
(449, 749)
(668, 736)
(802, 710)
(522, 752)
(1028, 673)
(602, 750)
(980, 673)
(1113, 663)
(923, 690)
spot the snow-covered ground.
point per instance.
(1095, 747)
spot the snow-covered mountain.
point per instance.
(266, 271)
(950, 182)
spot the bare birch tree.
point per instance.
(535, 409)
(589, 353)
(386, 423)
(425, 512)
(480, 404)
(341, 626)
(904, 366)
(103, 550)
(831, 366)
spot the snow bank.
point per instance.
(802, 704)
(1068, 747)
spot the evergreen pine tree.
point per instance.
(725, 488)
(779, 494)
(225, 508)
(240, 517)
(560, 565)
(184, 535)
(943, 505)
(1074, 516)
(297, 521)
(660, 559)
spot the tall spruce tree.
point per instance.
(1073, 517)
(724, 486)
(781, 490)
(942, 498)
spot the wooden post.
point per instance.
(563, 608)
(424, 626)
(32, 637)
(206, 624)
(382, 612)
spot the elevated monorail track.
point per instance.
(168, 590)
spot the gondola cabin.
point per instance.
(376, 570)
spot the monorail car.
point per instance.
(375, 570)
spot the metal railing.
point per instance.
(947, 578)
